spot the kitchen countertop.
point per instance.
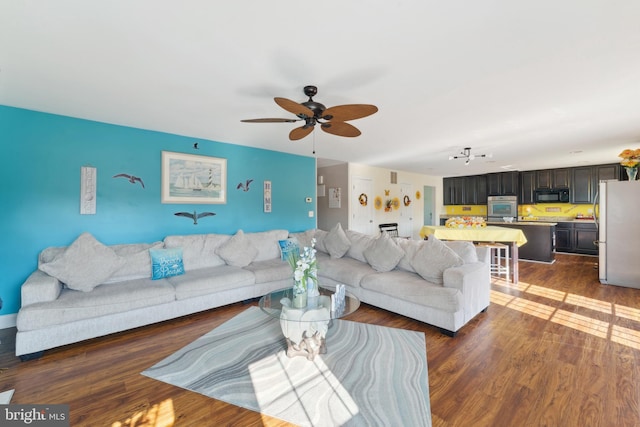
(538, 223)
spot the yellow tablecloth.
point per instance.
(490, 233)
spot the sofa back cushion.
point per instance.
(410, 247)
(383, 254)
(266, 242)
(198, 250)
(433, 258)
(359, 243)
(137, 261)
(238, 251)
(84, 264)
(465, 250)
(320, 236)
(304, 237)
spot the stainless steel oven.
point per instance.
(499, 207)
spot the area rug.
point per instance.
(370, 375)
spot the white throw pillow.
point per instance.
(465, 250)
(85, 264)
(433, 258)
(337, 242)
(383, 254)
(238, 251)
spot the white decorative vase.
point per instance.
(299, 298)
(632, 173)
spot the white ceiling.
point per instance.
(538, 84)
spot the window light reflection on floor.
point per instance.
(596, 327)
(159, 415)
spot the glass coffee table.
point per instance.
(305, 328)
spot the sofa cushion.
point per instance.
(383, 254)
(266, 242)
(238, 251)
(304, 238)
(198, 250)
(343, 270)
(359, 242)
(433, 258)
(84, 264)
(207, 281)
(413, 288)
(270, 270)
(320, 236)
(289, 248)
(137, 261)
(465, 250)
(166, 263)
(73, 305)
(337, 242)
(410, 248)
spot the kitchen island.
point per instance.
(540, 240)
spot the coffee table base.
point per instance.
(309, 347)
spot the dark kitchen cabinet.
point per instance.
(553, 178)
(527, 187)
(564, 240)
(465, 190)
(585, 181)
(577, 238)
(585, 238)
(502, 184)
(582, 188)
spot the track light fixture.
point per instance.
(466, 154)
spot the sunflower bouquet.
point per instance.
(630, 158)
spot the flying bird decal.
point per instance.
(194, 216)
(245, 187)
(132, 179)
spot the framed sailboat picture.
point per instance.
(188, 178)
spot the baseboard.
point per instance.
(8, 321)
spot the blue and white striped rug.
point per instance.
(370, 376)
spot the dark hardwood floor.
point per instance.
(557, 349)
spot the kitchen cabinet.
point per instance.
(465, 190)
(548, 179)
(502, 184)
(539, 246)
(527, 187)
(582, 188)
(577, 238)
(585, 181)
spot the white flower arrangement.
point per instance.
(304, 267)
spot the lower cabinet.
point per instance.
(577, 238)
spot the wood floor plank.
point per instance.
(556, 349)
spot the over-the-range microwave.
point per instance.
(560, 195)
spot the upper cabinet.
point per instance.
(581, 181)
(527, 187)
(502, 184)
(465, 190)
(553, 178)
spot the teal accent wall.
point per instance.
(40, 166)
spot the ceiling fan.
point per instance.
(332, 120)
(466, 154)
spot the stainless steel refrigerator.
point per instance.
(619, 233)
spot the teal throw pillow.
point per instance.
(287, 247)
(166, 263)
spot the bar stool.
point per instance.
(499, 252)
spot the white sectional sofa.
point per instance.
(89, 290)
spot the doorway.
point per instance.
(429, 201)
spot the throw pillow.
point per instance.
(166, 263)
(433, 259)
(383, 254)
(85, 264)
(465, 250)
(238, 250)
(337, 242)
(359, 243)
(320, 235)
(288, 248)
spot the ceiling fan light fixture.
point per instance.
(466, 154)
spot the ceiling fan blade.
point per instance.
(340, 129)
(293, 107)
(343, 113)
(270, 120)
(299, 133)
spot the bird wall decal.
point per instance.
(194, 216)
(195, 145)
(245, 187)
(132, 179)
